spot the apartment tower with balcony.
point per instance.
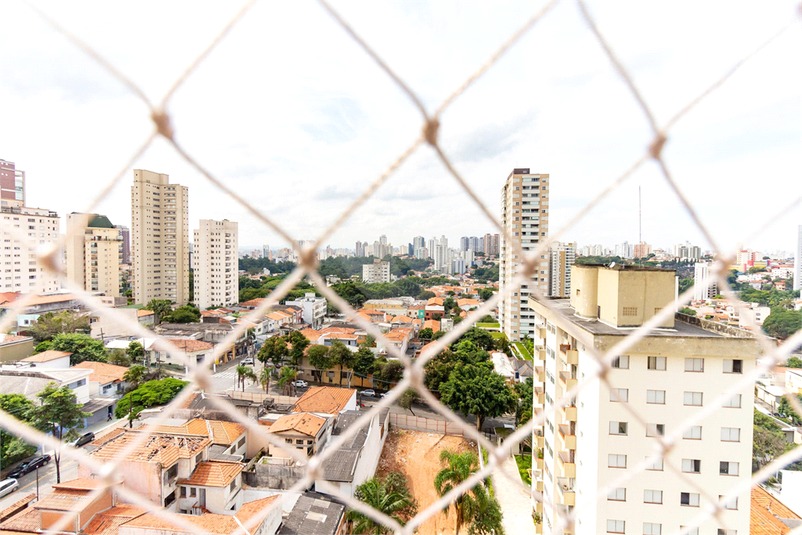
(94, 253)
(215, 263)
(159, 238)
(525, 217)
(667, 377)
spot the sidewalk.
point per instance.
(516, 503)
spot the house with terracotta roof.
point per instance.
(303, 431)
(398, 338)
(49, 359)
(190, 347)
(326, 400)
(106, 379)
(42, 304)
(228, 438)
(214, 486)
(154, 467)
(108, 522)
(14, 347)
(769, 516)
(468, 304)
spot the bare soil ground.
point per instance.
(416, 454)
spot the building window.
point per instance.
(619, 394)
(690, 499)
(726, 531)
(694, 365)
(616, 461)
(617, 495)
(693, 433)
(657, 363)
(732, 503)
(193, 492)
(656, 396)
(691, 466)
(652, 496)
(630, 311)
(734, 402)
(693, 398)
(733, 366)
(615, 526)
(183, 492)
(621, 362)
(618, 428)
(728, 468)
(650, 528)
(655, 430)
(657, 465)
(233, 485)
(730, 434)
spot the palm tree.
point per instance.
(135, 376)
(264, 379)
(286, 378)
(243, 373)
(390, 496)
(250, 338)
(460, 467)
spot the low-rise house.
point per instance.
(768, 515)
(313, 308)
(194, 350)
(468, 304)
(228, 438)
(214, 486)
(50, 359)
(106, 379)
(326, 400)
(14, 347)
(304, 431)
(314, 514)
(41, 304)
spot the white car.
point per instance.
(369, 392)
(247, 360)
(300, 384)
(7, 486)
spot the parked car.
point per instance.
(369, 392)
(85, 439)
(300, 384)
(247, 360)
(7, 486)
(29, 466)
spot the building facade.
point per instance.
(215, 263)
(12, 184)
(21, 272)
(524, 216)
(561, 259)
(666, 378)
(125, 236)
(159, 238)
(94, 253)
(314, 308)
(704, 287)
(378, 271)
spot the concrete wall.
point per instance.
(274, 476)
(15, 351)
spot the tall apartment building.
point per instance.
(159, 238)
(125, 236)
(94, 253)
(641, 250)
(666, 377)
(704, 287)
(378, 271)
(12, 184)
(798, 260)
(524, 216)
(20, 271)
(215, 263)
(561, 259)
(490, 244)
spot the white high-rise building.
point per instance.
(21, 272)
(525, 216)
(704, 287)
(94, 253)
(666, 378)
(216, 264)
(798, 260)
(378, 271)
(561, 259)
(159, 238)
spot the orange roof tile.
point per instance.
(190, 346)
(12, 338)
(253, 508)
(108, 522)
(432, 324)
(46, 356)
(401, 319)
(81, 483)
(155, 449)
(310, 334)
(29, 520)
(103, 373)
(213, 474)
(9, 297)
(142, 313)
(325, 399)
(396, 336)
(46, 299)
(304, 423)
(220, 432)
(63, 500)
(766, 511)
(17, 506)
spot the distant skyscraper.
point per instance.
(798, 260)
(377, 272)
(125, 236)
(94, 253)
(159, 238)
(524, 215)
(12, 184)
(561, 259)
(21, 272)
(704, 287)
(359, 251)
(215, 250)
(641, 250)
(265, 251)
(418, 242)
(383, 239)
(464, 243)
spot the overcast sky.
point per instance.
(294, 116)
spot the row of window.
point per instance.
(658, 397)
(691, 364)
(689, 466)
(651, 528)
(728, 434)
(689, 499)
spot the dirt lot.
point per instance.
(416, 454)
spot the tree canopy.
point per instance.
(782, 323)
(149, 394)
(81, 346)
(50, 324)
(184, 314)
(390, 495)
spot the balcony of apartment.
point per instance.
(539, 439)
(539, 353)
(567, 436)
(571, 355)
(566, 495)
(566, 467)
(568, 413)
(540, 332)
(567, 380)
(540, 395)
(540, 374)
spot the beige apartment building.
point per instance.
(159, 238)
(561, 259)
(525, 216)
(666, 378)
(215, 263)
(34, 228)
(94, 253)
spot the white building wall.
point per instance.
(215, 263)
(20, 271)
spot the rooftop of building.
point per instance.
(213, 474)
(224, 433)
(313, 514)
(303, 423)
(46, 356)
(154, 449)
(325, 399)
(767, 514)
(102, 372)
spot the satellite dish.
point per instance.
(612, 265)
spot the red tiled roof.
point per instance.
(325, 399)
(46, 356)
(213, 474)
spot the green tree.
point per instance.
(408, 398)
(135, 376)
(480, 337)
(525, 392)
(12, 447)
(58, 414)
(244, 373)
(425, 333)
(687, 310)
(299, 344)
(425, 295)
(319, 359)
(52, 323)
(149, 394)
(184, 314)
(390, 496)
(264, 379)
(794, 362)
(118, 357)
(136, 351)
(767, 445)
(486, 513)
(341, 356)
(159, 307)
(684, 284)
(286, 378)
(364, 362)
(476, 389)
(782, 323)
(392, 372)
(460, 467)
(486, 293)
(274, 350)
(488, 319)
(81, 346)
